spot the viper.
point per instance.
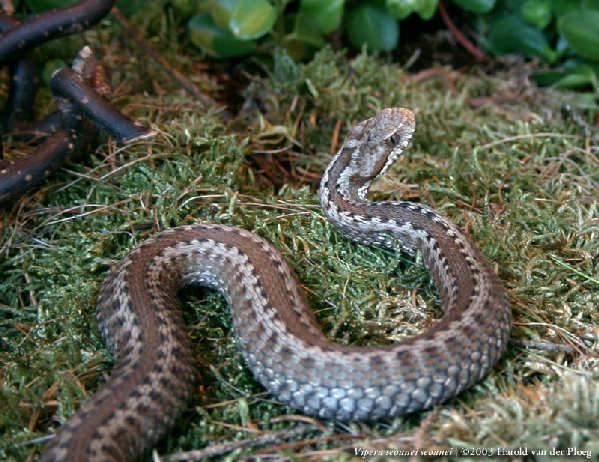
(154, 373)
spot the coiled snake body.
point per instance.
(154, 374)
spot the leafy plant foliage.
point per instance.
(562, 33)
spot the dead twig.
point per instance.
(224, 448)
(472, 49)
(547, 346)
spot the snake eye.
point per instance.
(394, 139)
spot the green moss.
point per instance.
(528, 201)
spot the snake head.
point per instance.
(377, 142)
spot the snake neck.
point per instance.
(340, 182)
(457, 267)
(343, 200)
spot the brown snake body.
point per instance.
(154, 373)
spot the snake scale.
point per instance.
(154, 374)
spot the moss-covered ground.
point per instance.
(520, 178)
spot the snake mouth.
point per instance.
(394, 156)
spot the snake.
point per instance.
(154, 373)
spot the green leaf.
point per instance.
(586, 101)
(186, 8)
(580, 28)
(547, 78)
(476, 6)
(401, 9)
(537, 12)
(222, 11)
(245, 19)
(304, 35)
(582, 75)
(305, 30)
(427, 9)
(561, 47)
(252, 19)
(215, 41)
(372, 26)
(326, 14)
(513, 35)
(562, 7)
